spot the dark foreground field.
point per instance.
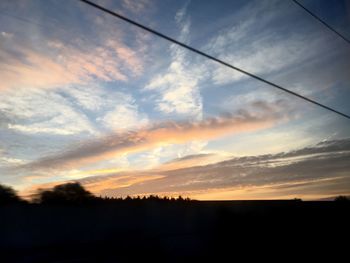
(174, 232)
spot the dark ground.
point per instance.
(175, 232)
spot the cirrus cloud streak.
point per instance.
(158, 134)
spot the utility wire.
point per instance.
(211, 57)
(321, 21)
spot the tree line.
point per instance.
(74, 193)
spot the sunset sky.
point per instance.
(86, 97)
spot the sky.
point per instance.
(86, 97)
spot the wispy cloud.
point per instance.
(135, 6)
(191, 161)
(178, 86)
(266, 56)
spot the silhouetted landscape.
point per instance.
(69, 224)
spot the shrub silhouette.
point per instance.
(69, 193)
(8, 195)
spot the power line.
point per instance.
(211, 57)
(321, 21)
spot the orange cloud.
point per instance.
(39, 71)
(154, 136)
(118, 182)
(128, 56)
(26, 67)
(298, 189)
(191, 161)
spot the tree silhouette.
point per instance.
(69, 193)
(8, 195)
(342, 198)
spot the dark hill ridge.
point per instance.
(134, 231)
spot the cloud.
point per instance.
(7, 161)
(154, 157)
(135, 6)
(90, 97)
(178, 85)
(157, 135)
(95, 184)
(191, 157)
(39, 111)
(70, 110)
(114, 110)
(247, 42)
(60, 64)
(192, 160)
(34, 70)
(312, 172)
(124, 115)
(318, 189)
(98, 185)
(262, 42)
(6, 35)
(265, 57)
